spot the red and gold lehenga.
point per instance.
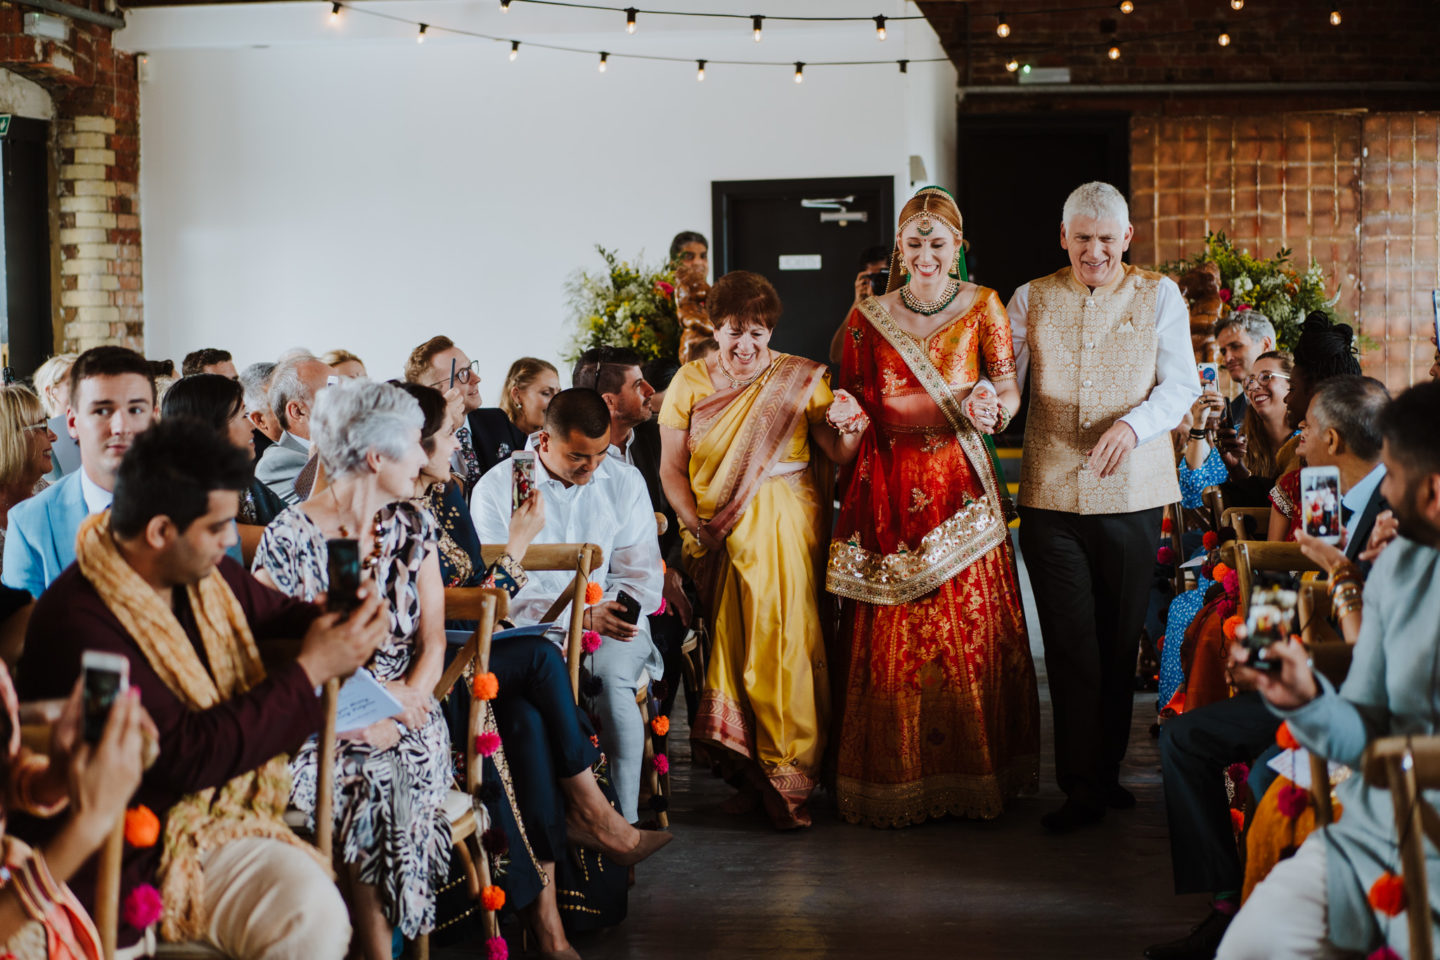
(940, 708)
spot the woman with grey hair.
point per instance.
(393, 840)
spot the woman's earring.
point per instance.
(954, 273)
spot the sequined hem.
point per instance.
(892, 579)
(959, 795)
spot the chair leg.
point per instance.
(643, 699)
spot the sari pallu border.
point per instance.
(974, 530)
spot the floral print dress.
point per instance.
(387, 802)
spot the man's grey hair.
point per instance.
(354, 417)
(1098, 201)
(256, 381)
(1351, 406)
(1252, 323)
(286, 385)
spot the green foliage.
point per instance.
(1270, 285)
(630, 305)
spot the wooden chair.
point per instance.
(1176, 516)
(1406, 766)
(1214, 499)
(1235, 517)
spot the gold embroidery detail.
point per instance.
(919, 500)
(934, 442)
(894, 382)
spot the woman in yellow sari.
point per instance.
(736, 430)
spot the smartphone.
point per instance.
(1209, 375)
(522, 477)
(1271, 620)
(343, 594)
(1435, 300)
(453, 361)
(631, 614)
(106, 676)
(1320, 503)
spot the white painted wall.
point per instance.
(318, 185)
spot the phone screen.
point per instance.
(344, 566)
(1320, 502)
(1271, 620)
(522, 477)
(106, 676)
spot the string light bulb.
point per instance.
(1127, 6)
(1223, 39)
(1237, 4)
(757, 23)
(799, 72)
(514, 50)
(1113, 53)
(879, 28)
(504, 6)
(700, 70)
(1002, 29)
(1012, 65)
(604, 58)
(335, 12)
(904, 65)
(630, 13)
(1335, 17)
(420, 37)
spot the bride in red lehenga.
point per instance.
(940, 709)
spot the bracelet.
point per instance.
(1197, 434)
(1340, 582)
(1346, 571)
(1002, 420)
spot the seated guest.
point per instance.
(294, 386)
(1264, 433)
(266, 428)
(25, 440)
(394, 837)
(438, 363)
(219, 403)
(209, 360)
(36, 908)
(1315, 903)
(1242, 337)
(442, 493)
(344, 363)
(152, 584)
(112, 400)
(52, 382)
(588, 500)
(530, 385)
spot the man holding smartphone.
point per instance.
(869, 282)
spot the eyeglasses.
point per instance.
(462, 375)
(1264, 378)
(42, 425)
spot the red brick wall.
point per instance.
(99, 296)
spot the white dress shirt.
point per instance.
(1176, 385)
(96, 499)
(303, 441)
(612, 511)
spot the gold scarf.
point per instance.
(250, 805)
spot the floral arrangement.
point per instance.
(630, 305)
(1272, 285)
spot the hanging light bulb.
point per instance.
(504, 6)
(799, 72)
(420, 37)
(879, 28)
(1335, 18)
(335, 12)
(700, 70)
(1113, 53)
(1012, 65)
(514, 50)
(757, 23)
(1237, 4)
(1127, 6)
(603, 58)
(1223, 39)
(630, 13)
(1002, 29)
(904, 65)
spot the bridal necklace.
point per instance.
(929, 308)
(736, 384)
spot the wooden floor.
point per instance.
(733, 888)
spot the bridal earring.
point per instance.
(954, 273)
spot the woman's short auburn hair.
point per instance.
(741, 298)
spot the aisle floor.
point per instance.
(731, 887)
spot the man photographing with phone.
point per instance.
(152, 584)
(1315, 903)
(869, 282)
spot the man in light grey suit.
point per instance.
(293, 388)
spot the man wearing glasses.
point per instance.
(440, 364)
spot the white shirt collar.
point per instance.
(300, 440)
(96, 499)
(1358, 496)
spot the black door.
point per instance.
(25, 328)
(807, 247)
(1015, 172)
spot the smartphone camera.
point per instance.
(105, 677)
(343, 594)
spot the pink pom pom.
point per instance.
(1231, 582)
(1238, 772)
(1292, 800)
(590, 641)
(487, 743)
(496, 949)
(1384, 953)
(1225, 608)
(662, 764)
(1165, 555)
(143, 907)
(660, 609)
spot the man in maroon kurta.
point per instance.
(290, 907)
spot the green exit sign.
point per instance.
(4, 124)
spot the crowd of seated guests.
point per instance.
(191, 537)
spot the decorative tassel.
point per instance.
(496, 949)
(659, 804)
(661, 725)
(495, 842)
(591, 685)
(1384, 953)
(1228, 627)
(1237, 820)
(143, 907)
(1285, 738)
(1165, 555)
(487, 743)
(1210, 540)
(1238, 772)
(1230, 580)
(1387, 894)
(485, 686)
(1291, 801)
(1167, 526)
(1219, 571)
(492, 898)
(142, 827)
(594, 593)
(590, 641)
(662, 764)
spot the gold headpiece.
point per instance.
(925, 215)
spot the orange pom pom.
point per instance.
(661, 726)
(485, 686)
(1237, 820)
(1285, 738)
(493, 898)
(1228, 627)
(1218, 573)
(593, 593)
(1387, 895)
(142, 827)
(663, 568)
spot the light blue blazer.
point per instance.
(40, 540)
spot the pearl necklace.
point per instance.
(737, 384)
(928, 308)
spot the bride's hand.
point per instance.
(845, 413)
(983, 411)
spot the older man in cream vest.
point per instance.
(1107, 347)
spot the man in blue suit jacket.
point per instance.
(112, 400)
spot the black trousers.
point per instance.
(1195, 749)
(1091, 579)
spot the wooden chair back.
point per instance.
(1214, 499)
(1235, 517)
(1406, 766)
(1176, 516)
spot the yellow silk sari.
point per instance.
(766, 695)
